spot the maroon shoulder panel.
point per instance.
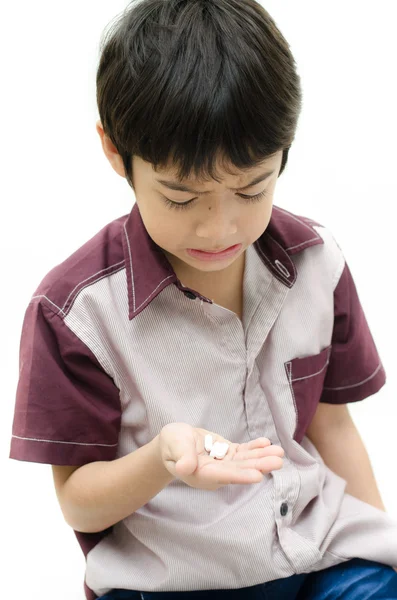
(355, 370)
(67, 409)
(99, 257)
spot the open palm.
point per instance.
(185, 457)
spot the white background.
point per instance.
(57, 190)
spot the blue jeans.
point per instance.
(355, 579)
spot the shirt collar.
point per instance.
(149, 271)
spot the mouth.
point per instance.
(214, 251)
(215, 254)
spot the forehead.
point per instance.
(222, 170)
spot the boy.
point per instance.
(206, 310)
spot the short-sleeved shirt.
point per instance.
(114, 347)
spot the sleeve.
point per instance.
(355, 370)
(67, 408)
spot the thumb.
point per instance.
(187, 464)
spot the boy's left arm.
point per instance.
(339, 443)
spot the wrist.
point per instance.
(159, 456)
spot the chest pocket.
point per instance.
(306, 379)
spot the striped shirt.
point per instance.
(114, 347)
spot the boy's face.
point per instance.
(214, 221)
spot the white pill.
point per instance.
(219, 449)
(208, 442)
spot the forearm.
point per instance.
(343, 451)
(100, 494)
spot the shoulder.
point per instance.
(297, 232)
(301, 237)
(99, 257)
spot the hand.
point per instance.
(184, 456)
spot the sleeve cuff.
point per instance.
(358, 391)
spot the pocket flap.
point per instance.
(306, 378)
(310, 366)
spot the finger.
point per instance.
(257, 443)
(229, 474)
(265, 464)
(259, 453)
(247, 476)
(248, 471)
(220, 470)
(271, 463)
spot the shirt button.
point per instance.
(284, 509)
(190, 295)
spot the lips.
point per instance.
(215, 251)
(214, 256)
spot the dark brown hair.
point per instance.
(181, 83)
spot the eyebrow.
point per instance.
(175, 185)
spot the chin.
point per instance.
(210, 268)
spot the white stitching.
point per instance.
(289, 374)
(59, 442)
(318, 237)
(268, 260)
(279, 245)
(346, 387)
(90, 277)
(92, 282)
(281, 268)
(314, 374)
(169, 276)
(132, 277)
(60, 310)
(42, 296)
(305, 242)
(132, 274)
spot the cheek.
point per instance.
(160, 230)
(165, 227)
(153, 221)
(257, 217)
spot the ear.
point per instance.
(110, 151)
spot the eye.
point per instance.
(255, 198)
(177, 205)
(181, 206)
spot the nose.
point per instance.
(218, 225)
